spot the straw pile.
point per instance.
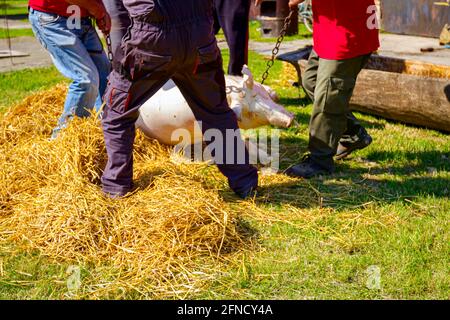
(150, 242)
(181, 229)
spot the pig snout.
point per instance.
(277, 115)
(281, 119)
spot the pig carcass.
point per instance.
(254, 105)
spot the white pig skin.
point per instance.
(252, 102)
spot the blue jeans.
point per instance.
(78, 54)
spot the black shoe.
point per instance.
(307, 169)
(348, 145)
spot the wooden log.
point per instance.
(403, 97)
(408, 91)
(416, 68)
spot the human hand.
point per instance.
(104, 23)
(293, 4)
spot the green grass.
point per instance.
(387, 206)
(255, 33)
(402, 182)
(14, 86)
(16, 10)
(14, 7)
(14, 33)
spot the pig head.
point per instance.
(252, 102)
(255, 104)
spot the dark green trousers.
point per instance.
(330, 84)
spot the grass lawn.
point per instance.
(14, 86)
(379, 230)
(14, 33)
(14, 7)
(15, 10)
(255, 33)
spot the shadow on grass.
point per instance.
(353, 187)
(353, 184)
(423, 159)
(18, 17)
(303, 102)
(372, 124)
(296, 102)
(398, 122)
(391, 182)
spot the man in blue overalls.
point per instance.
(233, 17)
(168, 39)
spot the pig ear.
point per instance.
(248, 77)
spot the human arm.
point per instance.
(97, 10)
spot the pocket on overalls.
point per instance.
(339, 93)
(209, 53)
(117, 95)
(208, 58)
(139, 63)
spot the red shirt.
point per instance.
(58, 7)
(343, 29)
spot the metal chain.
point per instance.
(231, 89)
(109, 45)
(276, 50)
